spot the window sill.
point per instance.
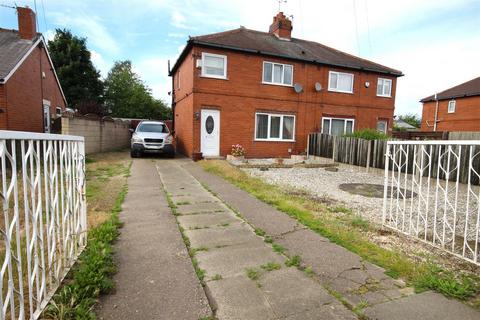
(213, 77)
(277, 84)
(273, 140)
(382, 96)
(339, 91)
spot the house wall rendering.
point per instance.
(464, 117)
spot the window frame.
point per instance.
(386, 125)
(344, 125)
(273, 70)
(281, 115)
(214, 55)
(340, 73)
(383, 88)
(454, 102)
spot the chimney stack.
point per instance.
(27, 26)
(281, 26)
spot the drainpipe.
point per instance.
(436, 113)
(173, 97)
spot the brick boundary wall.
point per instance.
(101, 134)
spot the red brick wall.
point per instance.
(184, 106)
(465, 118)
(24, 93)
(239, 97)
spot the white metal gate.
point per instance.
(44, 222)
(432, 193)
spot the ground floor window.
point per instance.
(337, 126)
(382, 126)
(274, 127)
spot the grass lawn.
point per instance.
(91, 275)
(344, 228)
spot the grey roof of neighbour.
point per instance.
(402, 124)
(264, 43)
(12, 50)
(467, 89)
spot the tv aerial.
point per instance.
(280, 4)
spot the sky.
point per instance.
(435, 43)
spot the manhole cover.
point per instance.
(372, 190)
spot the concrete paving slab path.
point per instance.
(359, 282)
(244, 277)
(155, 278)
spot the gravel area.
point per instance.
(323, 183)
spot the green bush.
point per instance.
(367, 134)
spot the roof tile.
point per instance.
(466, 89)
(12, 50)
(243, 39)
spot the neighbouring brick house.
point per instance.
(455, 109)
(30, 93)
(267, 91)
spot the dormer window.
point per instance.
(214, 65)
(277, 73)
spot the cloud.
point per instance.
(179, 20)
(154, 71)
(100, 63)
(176, 35)
(91, 27)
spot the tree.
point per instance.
(80, 80)
(126, 96)
(412, 119)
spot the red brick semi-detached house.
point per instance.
(267, 91)
(455, 109)
(30, 93)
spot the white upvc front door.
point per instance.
(210, 133)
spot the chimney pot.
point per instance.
(281, 26)
(27, 27)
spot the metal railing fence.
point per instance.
(424, 196)
(44, 221)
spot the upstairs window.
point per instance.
(277, 73)
(451, 106)
(384, 87)
(340, 82)
(274, 127)
(214, 65)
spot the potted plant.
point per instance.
(237, 153)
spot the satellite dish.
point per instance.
(318, 86)
(298, 87)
